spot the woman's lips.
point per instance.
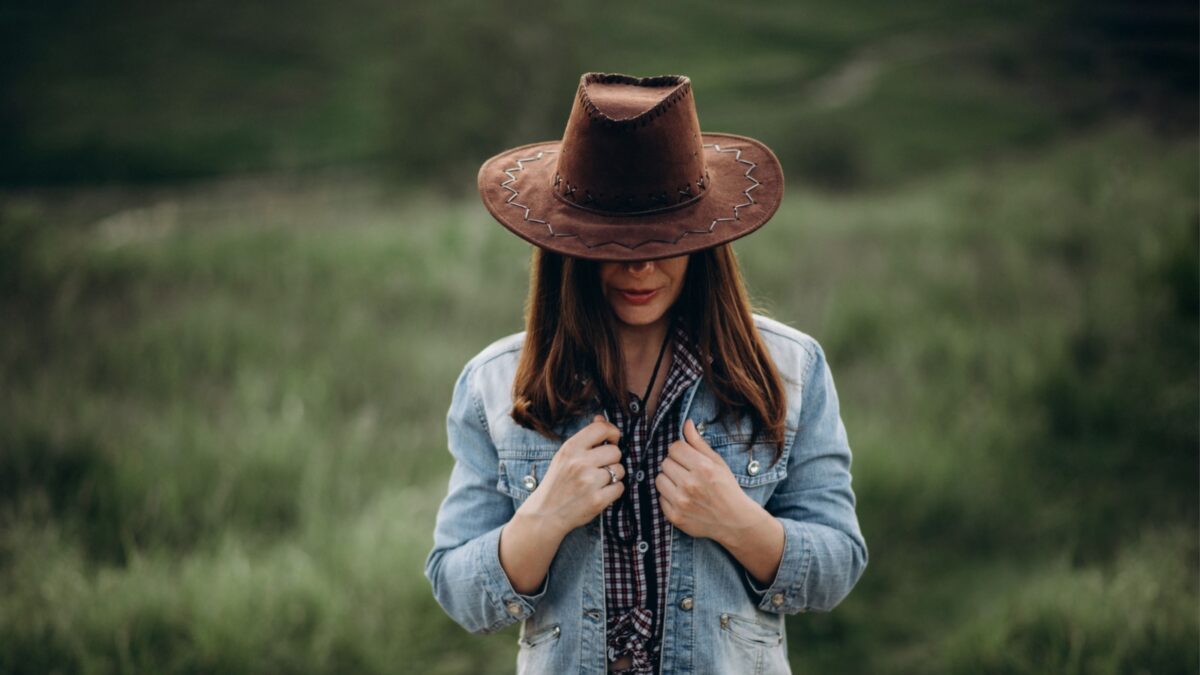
(638, 298)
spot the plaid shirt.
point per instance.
(632, 628)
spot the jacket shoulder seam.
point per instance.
(500, 348)
(768, 325)
(477, 406)
(794, 335)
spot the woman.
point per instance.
(650, 476)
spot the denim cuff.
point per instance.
(786, 593)
(510, 605)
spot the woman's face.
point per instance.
(640, 293)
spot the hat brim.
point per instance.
(745, 189)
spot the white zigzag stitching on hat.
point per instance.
(511, 179)
(750, 200)
(521, 167)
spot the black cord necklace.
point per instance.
(624, 504)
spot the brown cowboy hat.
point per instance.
(633, 177)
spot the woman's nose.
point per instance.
(640, 267)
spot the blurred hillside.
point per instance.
(850, 95)
(242, 261)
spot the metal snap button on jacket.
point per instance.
(752, 467)
(686, 603)
(777, 599)
(529, 482)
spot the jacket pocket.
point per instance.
(539, 636)
(750, 632)
(538, 653)
(751, 466)
(521, 470)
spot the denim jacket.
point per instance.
(718, 619)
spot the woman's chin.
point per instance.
(639, 316)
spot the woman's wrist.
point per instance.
(527, 547)
(545, 528)
(741, 524)
(757, 542)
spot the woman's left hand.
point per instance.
(698, 492)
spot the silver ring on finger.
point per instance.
(612, 474)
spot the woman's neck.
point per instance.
(640, 346)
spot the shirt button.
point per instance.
(686, 603)
(641, 476)
(514, 608)
(642, 547)
(633, 405)
(529, 482)
(777, 599)
(752, 467)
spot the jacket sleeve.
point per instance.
(464, 565)
(824, 552)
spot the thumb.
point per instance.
(694, 439)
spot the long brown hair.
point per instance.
(571, 352)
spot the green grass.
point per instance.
(222, 402)
(222, 412)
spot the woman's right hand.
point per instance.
(577, 486)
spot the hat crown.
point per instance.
(632, 146)
(625, 100)
(632, 177)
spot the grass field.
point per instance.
(222, 400)
(223, 416)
